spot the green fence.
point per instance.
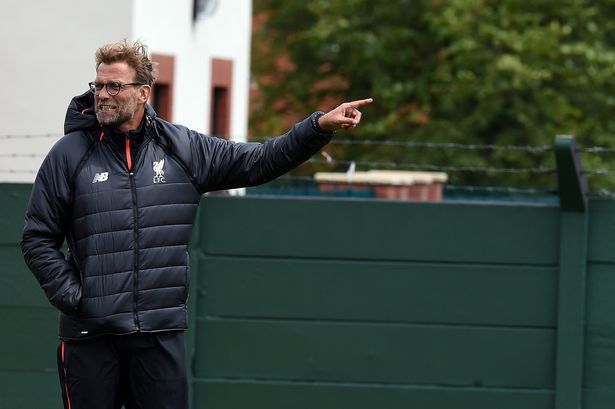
(353, 303)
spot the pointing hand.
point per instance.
(344, 116)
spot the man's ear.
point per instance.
(144, 93)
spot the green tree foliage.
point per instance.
(504, 72)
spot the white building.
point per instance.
(47, 48)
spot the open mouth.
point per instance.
(103, 107)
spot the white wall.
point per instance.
(47, 50)
(232, 41)
(225, 34)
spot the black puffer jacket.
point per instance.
(127, 231)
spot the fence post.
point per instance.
(572, 187)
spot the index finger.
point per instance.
(361, 102)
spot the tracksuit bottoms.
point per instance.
(134, 371)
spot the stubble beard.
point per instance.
(126, 111)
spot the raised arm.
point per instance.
(217, 164)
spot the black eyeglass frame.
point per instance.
(113, 88)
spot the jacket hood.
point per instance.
(80, 114)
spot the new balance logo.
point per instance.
(100, 177)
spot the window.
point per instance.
(220, 103)
(161, 98)
(219, 114)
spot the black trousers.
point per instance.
(136, 371)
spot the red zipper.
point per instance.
(65, 378)
(128, 157)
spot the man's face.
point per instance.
(117, 110)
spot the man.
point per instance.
(122, 188)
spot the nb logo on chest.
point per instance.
(158, 168)
(100, 177)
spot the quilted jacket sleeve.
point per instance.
(44, 232)
(219, 164)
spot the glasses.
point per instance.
(113, 88)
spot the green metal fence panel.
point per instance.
(297, 395)
(601, 231)
(599, 348)
(13, 205)
(32, 338)
(380, 230)
(396, 302)
(598, 398)
(375, 291)
(28, 378)
(375, 353)
(29, 390)
(17, 286)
